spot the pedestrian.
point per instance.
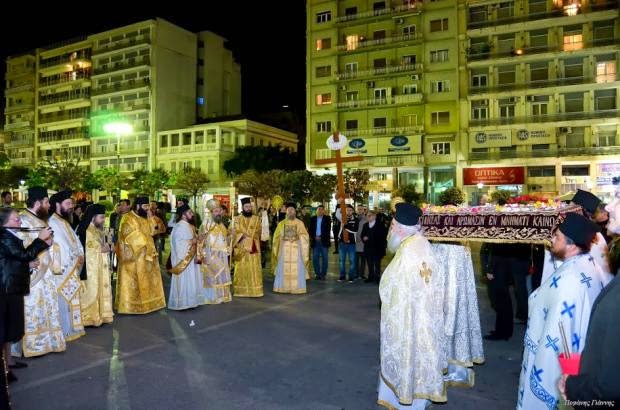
(320, 229)
(7, 199)
(374, 236)
(336, 229)
(360, 258)
(566, 297)
(158, 231)
(15, 265)
(290, 254)
(349, 223)
(246, 230)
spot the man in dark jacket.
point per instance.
(15, 264)
(598, 381)
(374, 236)
(335, 229)
(320, 226)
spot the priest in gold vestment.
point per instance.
(139, 287)
(412, 318)
(290, 254)
(96, 293)
(246, 228)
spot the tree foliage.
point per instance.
(149, 182)
(452, 196)
(409, 194)
(192, 181)
(323, 187)
(262, 159)
(355, 182)
(11, 177)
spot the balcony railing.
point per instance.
(64, 117)
(124, 152)
(473, 25)
(125, 43)
(21, 161)
(19, 142)
(18, 107)
(540, 153)
(407, 129)
(395, 99)
(399, 7)
(82, 56)
(19, 88)
(482, 52)
(104, 110)
(122, 65)
(121, 86)
(392, 160)
(365, 43)
(16, 125)
(348, 75)
(565, 116)
(533, 84)
(62, 80)
(64, 137)
(59, 99)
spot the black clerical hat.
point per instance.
(36, 193)
(407, 214)
(246, 200)
(587, 200)
(141, 200)
(182, 209)
(580, 229)
(291, 205)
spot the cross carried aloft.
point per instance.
(336, 142)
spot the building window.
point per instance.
(605, 99)
(537, 6)
(479, 80)
(410, 89)
(378, 35)
(323, 17)
(323, 71)
(173, 166)
(506, 107)
(575, 170)
(352, 97)
(607, 139)
(410, 120)
(539, 39)
(573, 102)
(323, 44)
(379, 124)
(199, 137)
(573, 68)
(175, 140)
(324, 126)
(441, 86)
(539, 71)
(440, 117)
(505, 10)
(506, 75)
(379, 63)
(350, 11)
(544, 171)
(439, 25)
(573, 41)
(350, 125)
(350, 67)
(575, 138)
(378, 5)
(440, 148)
(409, 31)
(539, 107)
(408, 60)
(439, 56)
(605, 71)
(480, 110)
(352, 42)
(163, 142)
(210, 167)
(324, 99)
(380, 95)
(187, 138)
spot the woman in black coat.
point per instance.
(15, 264)
(375, 244)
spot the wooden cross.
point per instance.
(339, 160)
(425, 272)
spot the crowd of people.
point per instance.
(56, 269)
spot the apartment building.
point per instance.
(385, 74)
(540, 95)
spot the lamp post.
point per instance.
(118, 129)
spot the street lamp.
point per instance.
(118, 128)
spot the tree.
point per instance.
(452, 196)
(150, 182)
(262, 159)
(409, 194)
(355, 182)
(11, 177)
(36, 177)
(501, 195)
(297, 186)
(61, 173)
(323, 187)
(193, 181)
(106, 179)
(5, 161)
(260, 185)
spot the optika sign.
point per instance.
(494, 176)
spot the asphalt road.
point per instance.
(313, 351)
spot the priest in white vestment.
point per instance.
(43, 333)
(67, 269)
(186, 286)
(565, 297)
(412, 318)
(290, 254)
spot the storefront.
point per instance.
(480, 181)
(604, 187)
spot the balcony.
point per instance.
(542, 153)
(558, 82)
(532, 119)
(125, 43)
(20, 88)
(19, 142)
(403, 68)
(397, 7)
(21, 161)
(392, 160)
(64, 117)
(392, 100)
(64, 98)
(124, 152)
(64, 137)
(17, 125)
(482, 52)
(558, 12)
(104, 110)
(363, 44)
(63, 80)
(405, 129)
(72, 58)
(18, 107)
(121, 86)
(123, 65)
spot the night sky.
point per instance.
(267, 38)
